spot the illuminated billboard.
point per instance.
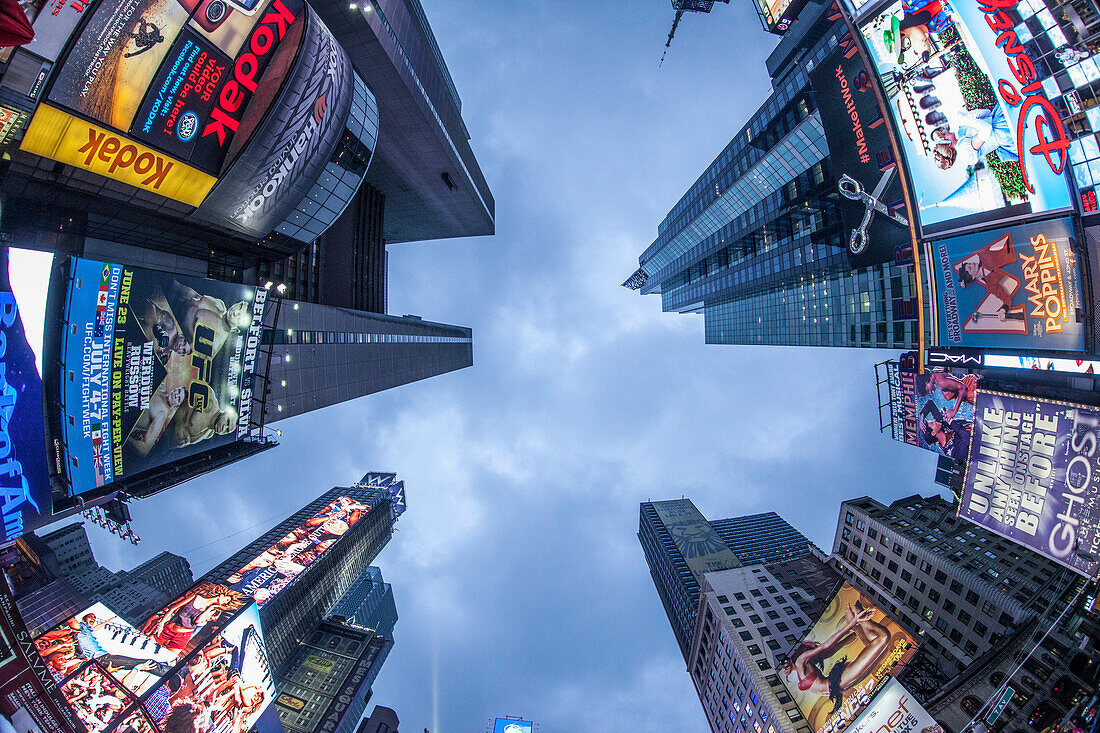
(933, 410)
(156, 367)
(113, 675)
(981, 140)
(59, 135)
(1012, 287)
(224, 686)
(289, 151)
(777, 15)
(508, 725)
(29, 698)
(266, 575)
(1071, 366)
(102, 664)
(862, 647)
(185, 622)
(24, 479)
(859, 148)
(894, 710)
(175, 96)
(1030, 476)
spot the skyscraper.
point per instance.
(133, 594)
(295, 592)
(756, 244)
(322, 355)
(680, 545)
(979, 604)
(747, 617)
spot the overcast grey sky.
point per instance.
(519, 580)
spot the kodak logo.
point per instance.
(225, 117)
(117, 155)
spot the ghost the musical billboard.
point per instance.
(863, 647)
(1034, 476)
(981, 140)
(156, 367)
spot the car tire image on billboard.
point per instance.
(289, 150)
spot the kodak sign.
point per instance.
(60, 136)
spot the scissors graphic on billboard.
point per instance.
(853, 189)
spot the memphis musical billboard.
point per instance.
(195, 99)
(155, 367)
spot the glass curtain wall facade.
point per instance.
(756, 243)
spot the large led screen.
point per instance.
(980, 138)
(778, 15)
(507, 725)
(1030, 476)
(266, 575)
(1011, 287)
(224, 686)
(25, 496)
(102, 664)
(156, 367)
(188, 620)
(849, 654)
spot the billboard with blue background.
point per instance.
(156, 367)
(1013, 287)
(508, 725)
(25, 495)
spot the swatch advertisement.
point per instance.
(1015, 287)
(1030, 476)
(275, 568)
(852, 650)
(25, 497)
(980, 138)
(161, 368)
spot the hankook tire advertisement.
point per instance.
(290, 149)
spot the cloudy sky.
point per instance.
(519, 580)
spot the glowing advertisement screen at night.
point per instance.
(1009, 288)
(114, 676)
(185, 622)
(25, 496)
(1034, 476)
(270, 572)
(980, 138)
(507, 725)
(156, 367)
(852, 650)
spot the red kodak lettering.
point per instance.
(92, 146)
(220, 124)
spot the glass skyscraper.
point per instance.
(293, 612)
(681, 545)
(756, 245)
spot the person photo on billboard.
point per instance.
(950, 437)
(194, 308)
(962, 390)
(806, 661)
(174, 627)
(76, 642)
(996, 312)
